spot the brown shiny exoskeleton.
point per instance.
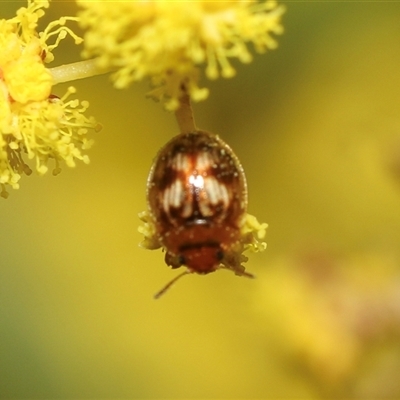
(197, 196)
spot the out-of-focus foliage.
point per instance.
(316, 125)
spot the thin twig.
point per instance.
(184, 115)
(77, 70)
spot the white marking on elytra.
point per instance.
(187, 209)
(180, 162)
(206, 189)
(205, 209)
(203, 161)
(176, 193)
(225, 195)
(212, 189)
(165, 200)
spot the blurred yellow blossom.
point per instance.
(328, 313)
(168, 41)
(32, 120)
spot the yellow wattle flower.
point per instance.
(170, 41)
(34, 122)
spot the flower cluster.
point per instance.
(168, 41)
(32, 120)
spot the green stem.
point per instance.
(77, 70)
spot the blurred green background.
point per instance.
(316, 126)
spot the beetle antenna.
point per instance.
(170, 283)
(239, 272)
(247, 274)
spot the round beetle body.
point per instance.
(197, 197)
